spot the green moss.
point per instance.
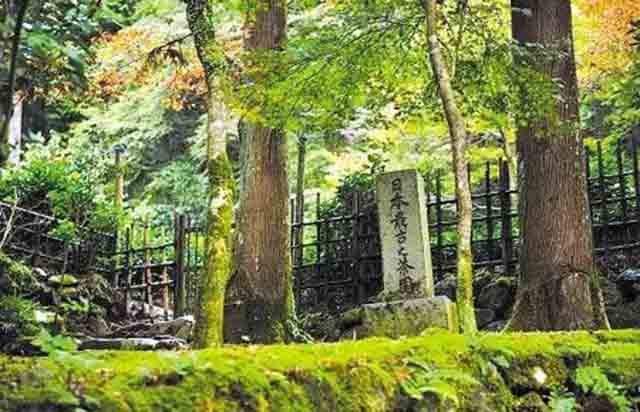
(353, 376)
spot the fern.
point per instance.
(592, 380)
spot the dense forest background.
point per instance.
(106, 76)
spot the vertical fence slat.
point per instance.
(506, 241)
(604, 209)
(489, 214)
(439, 255)
(179, 277)
(126, 271)
(355, 251)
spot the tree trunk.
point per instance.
(458, 137)
(212, 283)
(5, 149)
(15, 132)
(262, 261)
(556, 255)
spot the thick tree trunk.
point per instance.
(556, 255)
(213, 281)
(458, 136)
(262, 261)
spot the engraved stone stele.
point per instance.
(404, 236)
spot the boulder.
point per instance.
(484, 317)
(143, 344)
(498, 295)
(399, 318)
(629, 284)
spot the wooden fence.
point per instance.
(158, 273)
(337, 259)
(30, 236)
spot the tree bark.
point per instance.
(556, 256)
(212, 283)
(262, 261)
(458, 138)
(15, 132)
(5, 149)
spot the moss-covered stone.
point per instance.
(486, 372)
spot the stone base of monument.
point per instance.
(399, 318)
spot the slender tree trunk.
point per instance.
(213, 281)
(262, 261)
(458, 136)
(556, 256)
(5, 150)
(15, 131)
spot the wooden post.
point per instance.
(358, 287)
(119, 199)
(604, 206)
(165, 279)
(505, 207)
(180, 280)
(488, 204)
(126, 271)
(147, 270)
(439, 255)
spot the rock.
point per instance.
(496, 326)
(97, 326)
(447, 286)
(181, 328)
(625, 315)
(484, 317)
(142, 310)
(142, 344)
(531, 402)
(399, 318)
(629, 284)
(62, 281)
(498, 295)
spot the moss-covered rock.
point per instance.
(436, 372)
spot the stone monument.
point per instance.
(408, 305)
(404, 235)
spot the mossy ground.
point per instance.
(487, 372)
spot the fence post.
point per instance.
(126, 271)
(147, 269)
(489, 205)
(505, 208)
(603, 203)
(179, 280)
(355, 251)
(440, 255)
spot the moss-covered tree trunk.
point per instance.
(556, 287)
(458, 136)
(262, 262)
(213, 281)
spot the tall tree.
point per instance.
(262, 263)
(213, 282)
(557, 288)
(458, 138)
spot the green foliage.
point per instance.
(446, 384)
(592, 380)
(562, 401)
(61, 189)
(20, 312)
(50, 344)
